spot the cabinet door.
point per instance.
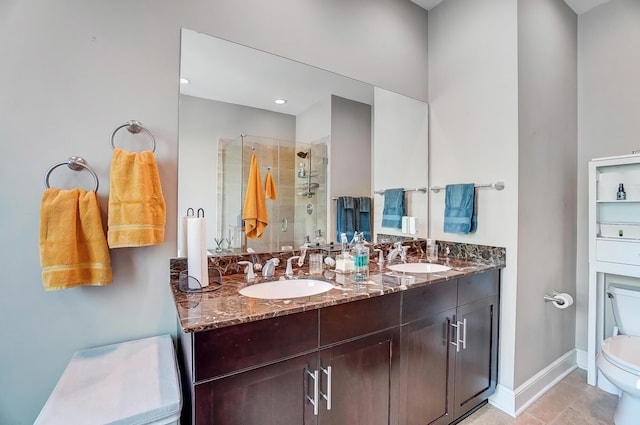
(476, 362)
(270, 395)
(361, 381)
(426, 389)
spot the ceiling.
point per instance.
(228, 72)
(578, 6)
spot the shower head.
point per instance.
(302, 154)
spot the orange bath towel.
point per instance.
(270, 187)
(73, 248)
(137, 210)
(254, 212)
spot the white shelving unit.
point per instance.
(614, 240)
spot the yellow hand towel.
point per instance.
(254, 212)
(270, 187)
(73, 249)
(137, 210)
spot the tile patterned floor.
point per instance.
(570, 402)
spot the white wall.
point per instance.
(547, 121)
(473, 86)
(71, 72)
(608, 110)
(400, 136)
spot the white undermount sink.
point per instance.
(284, 289)
(418, 268)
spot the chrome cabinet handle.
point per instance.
(285, 225)
(327, 396)
(464, 333)
(457, 343)
(314, 400)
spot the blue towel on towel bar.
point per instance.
(393, 209)
(363, 219)
(346, 216)
(459, 208)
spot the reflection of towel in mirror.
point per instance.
(393, 208)
(73, 248)
(459, 208)
(137, 210)
(363, 219)
(270, 187)
(254, 212)
(345, 216)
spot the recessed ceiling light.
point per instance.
(280, 101)
(184, 81)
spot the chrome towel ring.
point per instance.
(134, 127)
(75, 163)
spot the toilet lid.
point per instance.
(623, 350)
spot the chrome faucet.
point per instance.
(269, 268)
(397, 250)
(303, 254)
(250, 274)
(289, 271)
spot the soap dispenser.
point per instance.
(360, 254)
(344, 262)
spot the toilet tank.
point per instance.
(626, 304)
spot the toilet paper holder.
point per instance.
(554, 297)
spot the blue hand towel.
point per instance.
(459, 208)
(393, 209)
(363, 219)
(345, 216)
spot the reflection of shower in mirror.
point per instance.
(294, 192)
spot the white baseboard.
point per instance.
(515, 402)
(581, 357)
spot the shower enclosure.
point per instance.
(299, 171)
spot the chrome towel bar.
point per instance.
(495, 185)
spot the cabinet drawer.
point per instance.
(428, 300)
(350, 320)
(623, 252)
(225, 350)
(476, 286)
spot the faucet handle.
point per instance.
(250, 274)
(380, 255)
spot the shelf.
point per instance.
(622, 239)
(615, 201)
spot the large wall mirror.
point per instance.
(314, 147)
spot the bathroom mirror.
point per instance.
(228, 113)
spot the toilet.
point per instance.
(619, 357)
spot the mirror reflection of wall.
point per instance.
(231, 92)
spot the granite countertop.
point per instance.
(226, 307)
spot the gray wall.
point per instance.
(547, 152)
(349, 154)
(502, 83)
(608, 110)
(473, 132)
(72, 71)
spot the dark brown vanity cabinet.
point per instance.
(360, 344)
(337, 365)
(422, 356)
(448, 349)
(476, 370)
